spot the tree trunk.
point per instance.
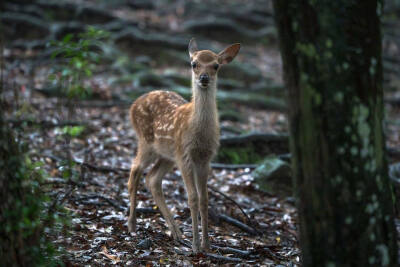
(331, 52)
(21, 201)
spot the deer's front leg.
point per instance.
(202, 171)
(188, 179)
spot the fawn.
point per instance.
(172, 131)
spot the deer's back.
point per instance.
(153, 114)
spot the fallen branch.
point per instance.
(209, 255)
(53, 207)
(113, 203)
(222, 258)
(226, 250)
(253, 137)
(89, 165)
(147, 210)
(238, 224)
(237, 204)
(273, 255)
(57, 180)
(101, 168)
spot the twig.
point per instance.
(147, 210)
(57, 180)
(242, 253)
(54, 204)
(222, 258)
(209, 255)
(101, 168)
(272, 254)
(109, 201)
(66, 195)
(238, 224)
(89, 165)
(115, 204)
(234, 202)
(254, 137)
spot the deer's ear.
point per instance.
(228, 54)
(192, 47)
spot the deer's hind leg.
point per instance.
(154, 183)
(143, 158)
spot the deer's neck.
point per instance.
(205, 112)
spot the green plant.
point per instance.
(238, 155)
(73, 131)
(80, 53)
(27, 214)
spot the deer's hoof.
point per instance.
(196, 247)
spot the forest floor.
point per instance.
(102, 143)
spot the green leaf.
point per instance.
(52, 77)
(88, 72)
(67, 38)
(78, 64)
(65, 72)
(76, 130)
(73, 131)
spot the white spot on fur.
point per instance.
(163, 136)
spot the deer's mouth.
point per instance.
(203, 84)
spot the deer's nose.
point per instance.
(204, 78)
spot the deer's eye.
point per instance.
(194, 64)
(216, 66)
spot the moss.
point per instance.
(383, 250)
(238, 155)
(274, 176)
(307, 49)
(334, 76)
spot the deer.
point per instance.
(172, 131)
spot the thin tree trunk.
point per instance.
(331, 52)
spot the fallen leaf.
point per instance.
(114, 258)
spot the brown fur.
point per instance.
(172, 131)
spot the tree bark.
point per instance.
(331, 53)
